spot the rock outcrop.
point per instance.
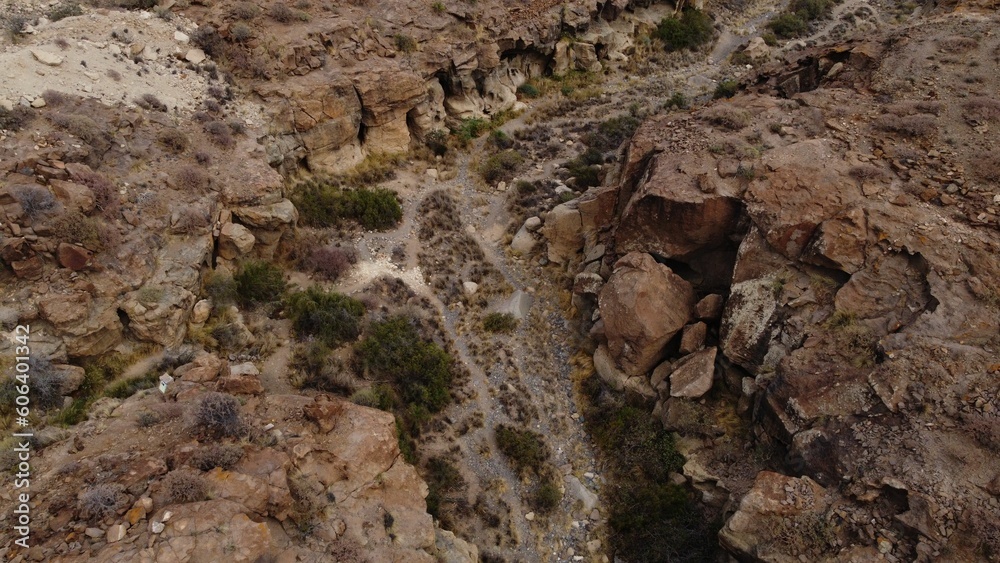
(853, 264)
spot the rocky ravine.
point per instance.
(825, 245)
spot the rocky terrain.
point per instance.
(592, 299)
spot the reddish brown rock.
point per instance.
(239, 385)
(205, 367)
(644, 304)
(73, 196)
(709, 308)
(73, 257)
(30, 268)
(693, 338)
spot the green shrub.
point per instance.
(500, 140)
(219, 287)
(651, 519)
(499, 322)
(677, 100)
(324, 204)
(437, 141)
(259, 282)
(470, 128)
(376, 397)
(442, 477)
(726, 89)
(528, 90)
(582, 168)
(795, 20)
(331, 317)
(501, 166)
(525, 449)
(770, 39)
(438, 7)
(692, 29)
(405, 43)
(611, 133)
(639, 441)
(547, 497)
(394, 351)
(788, 25)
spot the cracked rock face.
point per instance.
(859, 328)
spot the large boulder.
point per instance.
(644, 304)
(563, 230)
(235, 240)
(682, 208)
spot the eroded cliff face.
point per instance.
(845, 208)
(359, 80)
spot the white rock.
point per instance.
(181, 37)
(432, 173)
(6, 104)
(38, 103)
(46, 58)
(532, 223)
(194, 56)
(114, 49)
(116, 533)
(470, 287)
(93, 532)
(529, 516)
(157, 527)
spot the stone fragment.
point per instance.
(46, 58)
(693, 338)
(194, 56)
(692, 376)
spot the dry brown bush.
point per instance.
(184, 486)
(957, 44)
(174, 140)
(331, 262)
(190, 178)
(220, 134)
(911, 107)
(982, 108)
(728, 117)
(987, 166)
(916, 125)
